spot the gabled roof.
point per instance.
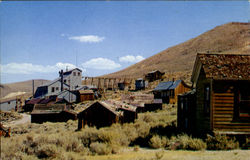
(107, 106)
(34, 101)
(222, 66)
(175, 84)
(70, 71)
(52, 108)
(163, 86)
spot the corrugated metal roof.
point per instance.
(86, 92)
(175, 84)
(34, 101)
(167, 85)
(226, 66)
(163, 86)
(52, 108)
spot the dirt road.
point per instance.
(26, 119)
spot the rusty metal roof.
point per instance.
(226, 66)
(86, 92)
(52, 108)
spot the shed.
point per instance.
(139, 84)
(222, 83)
(154, 75)
(168, 91)
(185, 111)
(51, 113)
(29, 104)
(86, 95)
(98, 114)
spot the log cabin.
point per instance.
(222, 83)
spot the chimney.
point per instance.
(61, 75)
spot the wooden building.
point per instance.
(139, 84)
(86, 95)
(222, 83)
(98, 114)
(154, 75)
(51, 113)
(185, 111)
(168, 91)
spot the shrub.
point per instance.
(158, 142)
(221, 142)
(100, 148)
(186, 142)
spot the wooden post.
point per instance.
(91, 80)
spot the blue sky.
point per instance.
(40, 38)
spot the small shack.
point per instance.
(29, 104)
(154, 75)
(168, 91)
(86, 95)
(185, 111)
(51, 113)
(98, 114)
(222, 83)
(139, 84)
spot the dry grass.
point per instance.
(9, 116)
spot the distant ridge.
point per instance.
(25, 86)
(232, 37)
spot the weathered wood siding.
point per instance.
(224, 107)
(202, 119)
(86, 97)
(178, 90)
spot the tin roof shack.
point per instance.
(168, 91)
(86, 95)
(222, 84)
(98, 114)
(29, 104)
(7, 105)
(139, 84)
(185, 111)
(154, 75)
(51, 113)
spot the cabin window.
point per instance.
(9, 102)
(53, 89)
(79, 73)
(207, 100)
(64, 81)
(57, 88)
(244, 103)
(74, 73)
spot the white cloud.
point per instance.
(131, 59)
(87, 38)
(101, 63)
(29, 68)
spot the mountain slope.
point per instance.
(25, 86)
(228, 38)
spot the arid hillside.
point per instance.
(25, 86)
(228, 38)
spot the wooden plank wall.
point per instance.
(223, 109)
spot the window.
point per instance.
(207, 100)
(79, 74)
(74, 73)
(57, 88)
(64, 81)
(244, 103)
(53, 89)
(172, 93)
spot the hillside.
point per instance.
(179, 60)
(25, 86)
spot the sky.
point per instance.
(37, 39)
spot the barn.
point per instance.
(154, 75)
(222, 101)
